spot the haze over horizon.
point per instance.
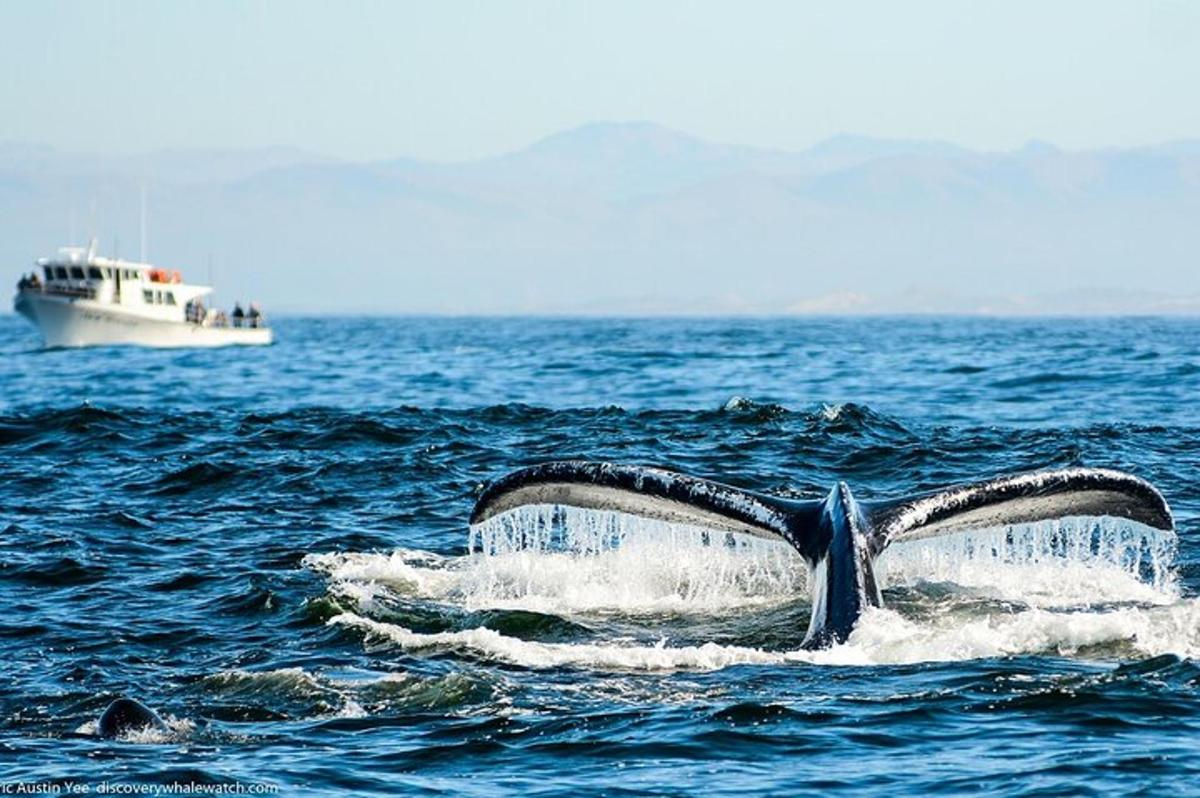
(271, 154)
(446, 158)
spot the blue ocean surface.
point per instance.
(270, 546)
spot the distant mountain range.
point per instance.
(637, 218)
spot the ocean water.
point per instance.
(270, 547)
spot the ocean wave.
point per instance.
(84, 419)
(56, 572)
(204, 474)
(294, 693)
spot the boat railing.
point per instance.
(222, 320)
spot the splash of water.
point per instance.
(1067, 562)
(565, 560)
(617, 561)
(1075, 584)
(177, 730)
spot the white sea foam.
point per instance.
(614, 655)
(177, 729)
(881, 637)
(832, 412)
(884, 636)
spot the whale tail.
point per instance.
(838, 537)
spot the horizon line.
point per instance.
(718, 316)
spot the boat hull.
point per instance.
(68, 322)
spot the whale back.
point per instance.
(126, 715)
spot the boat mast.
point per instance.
(142, 253)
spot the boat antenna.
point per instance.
(142, 254)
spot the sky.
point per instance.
(460, 80)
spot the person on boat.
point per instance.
(238, 314)
(194, 312)
(255, 315)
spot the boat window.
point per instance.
(76, 273)
(94, 273)
(170, 298)
(148, 295)
(60, 272)
(49, 273)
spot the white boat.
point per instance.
(81, 299)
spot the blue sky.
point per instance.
(454, 80)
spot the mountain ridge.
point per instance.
(602, 213)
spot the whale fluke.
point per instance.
(647, 492)
(838, 536)
(126, 715)
(1020, 499)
